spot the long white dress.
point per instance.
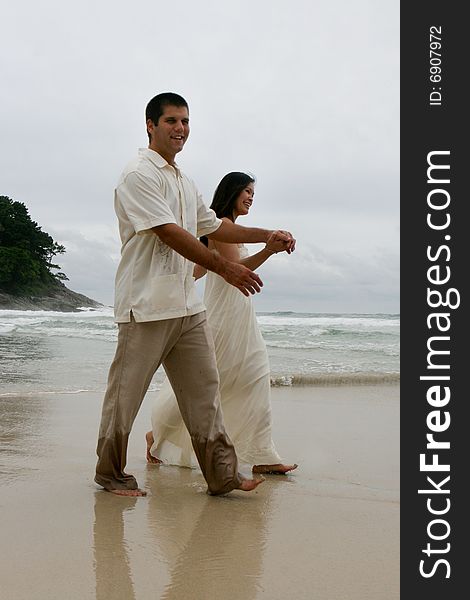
(244, 374)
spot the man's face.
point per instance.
(170, 134)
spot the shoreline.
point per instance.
(325, 379)
(329, 530)
(287, 382)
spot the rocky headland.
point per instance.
(57, 298)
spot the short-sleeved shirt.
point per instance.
(153, 280)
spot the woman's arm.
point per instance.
(191, 248)
(199, 272)
(232, 253)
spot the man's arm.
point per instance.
(232, 233)
(191, 248)
(253, 261)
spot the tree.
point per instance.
(26, 252)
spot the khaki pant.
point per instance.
(185, 347)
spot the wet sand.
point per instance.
(329, 531)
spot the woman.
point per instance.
(242, 360)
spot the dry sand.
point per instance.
(329, 531)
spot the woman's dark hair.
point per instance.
(226, 194)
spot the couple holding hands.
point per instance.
(214, 408)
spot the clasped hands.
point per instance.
(280, 241)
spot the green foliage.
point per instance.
(25, 252)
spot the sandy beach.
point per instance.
(329, 531)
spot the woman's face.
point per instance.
(244, 201)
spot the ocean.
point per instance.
(53, 352)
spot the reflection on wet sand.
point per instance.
(22, 423)
(330, 531)
(214, 547)
(111, 564)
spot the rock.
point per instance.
(59, 298)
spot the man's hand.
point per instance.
(279, 241)
(285, 237)
(240, 277)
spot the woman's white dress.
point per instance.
(244, 374)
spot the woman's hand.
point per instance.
(280, 243)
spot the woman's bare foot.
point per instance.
(278, 469)
(247, 485)
(137, 492)
(151, 459)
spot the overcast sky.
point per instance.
(304, 94)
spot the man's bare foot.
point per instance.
(151, 459)
(133, 493)
(247, 485)
(278, 469)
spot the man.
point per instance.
(160, 317)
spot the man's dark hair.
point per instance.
(226, 194)
(157, 105)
